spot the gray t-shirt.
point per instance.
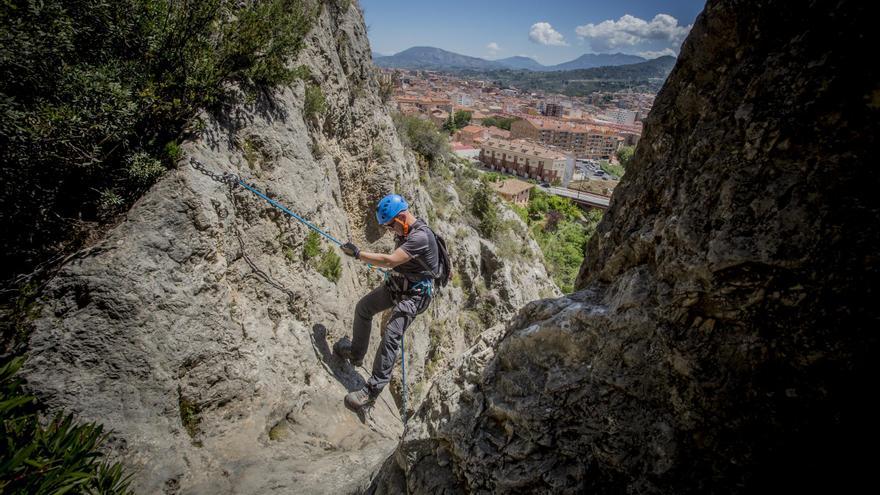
(419, 243)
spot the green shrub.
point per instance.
(58, 457)
(189, 415)
(91, 88)
(616, 170)
(289, 255)
(330, 265)
(142, 169)
(625, 154)
(484, 208)
(563, 246)
(312, 246)
(500, 122)
(173, 152)
(315, 102)
(301, 72)
(109, 203)
(423, 137)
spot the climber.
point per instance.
(408, 289)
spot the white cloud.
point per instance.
(493, 48)
(630, 31)
(543, 33)
(654, 54)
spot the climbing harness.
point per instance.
(233, 180)
(401, 286)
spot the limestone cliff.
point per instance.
(196, 331)
(722, 339)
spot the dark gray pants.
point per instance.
(404, 312)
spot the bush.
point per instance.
(315, 103)
(499, 122)
(92, 88)
(625, 154)
(312, 246)
(142, 169)
(330, 265)
(423, 137)
(484, 208)
(562, 231)
(616, 170)
(61, 456)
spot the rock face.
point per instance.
(200, 336)
(723, 336)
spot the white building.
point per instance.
(619, 116)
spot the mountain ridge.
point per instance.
(432, 58)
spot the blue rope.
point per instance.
(285, 210)
(301, 219)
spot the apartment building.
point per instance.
(585, 141)
(619, 116)
(553, 110)
(526, 159)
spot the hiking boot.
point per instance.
(359, 399)
(342, 349)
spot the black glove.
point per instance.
(350, 249)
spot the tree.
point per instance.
(449, 125)
(625, 154)
(461, 119)
(499, 122)
(422, 136)
(485, 209)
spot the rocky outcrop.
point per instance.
(723, 333)
(200, 336)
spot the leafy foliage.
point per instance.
(189, 415)
(330, 265)
(499, 122)
(59, 457)
(312, 246)
(625, 154)
(484, 208)
(423, 137)
(616, 170)
(457, 121)
(93, 92)
(315, 101)
(561, 231)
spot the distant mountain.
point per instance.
(590, 60)
(426, 57)
(519, 63)
(430, 58)
(376, 55)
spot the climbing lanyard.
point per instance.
(233, 180)
(403, 365)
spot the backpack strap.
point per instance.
(420, 260)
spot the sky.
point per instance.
(551, 32)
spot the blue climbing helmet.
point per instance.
(389, 207)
